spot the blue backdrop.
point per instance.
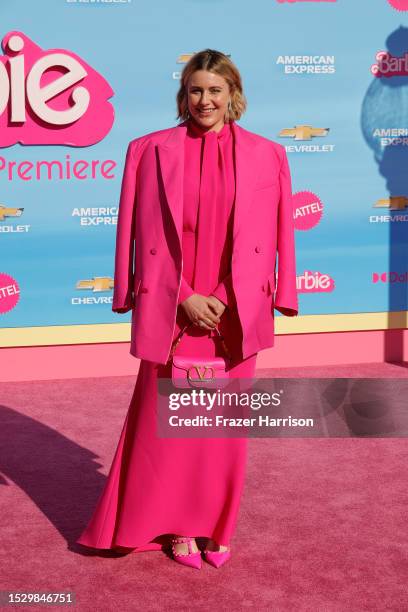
(302, 63)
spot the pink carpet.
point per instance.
(322, 524)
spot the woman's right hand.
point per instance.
(199, 308)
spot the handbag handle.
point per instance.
(177, 340)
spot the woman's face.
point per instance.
(209, 92)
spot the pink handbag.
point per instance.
(196, 371)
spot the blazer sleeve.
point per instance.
(224, 291)
(185, 290)
(123, 298)
(286, 300)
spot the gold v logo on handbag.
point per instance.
(196, 371)
(202, 372)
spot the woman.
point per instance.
(204, 208)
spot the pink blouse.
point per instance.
(209, 193)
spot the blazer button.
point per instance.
(153, 251)
(257, 249)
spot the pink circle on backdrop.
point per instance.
(9, 292)
(400, 5)
(308, 210)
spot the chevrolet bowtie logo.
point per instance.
(303, 132)
(393, 203)
(8, 211)
(183, 58)
(201, 373)
(98, 283)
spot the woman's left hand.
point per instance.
(216, 304)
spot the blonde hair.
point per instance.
(218, 63)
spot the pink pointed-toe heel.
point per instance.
(191, 559)
(217, 558)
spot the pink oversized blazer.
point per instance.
(148, 257)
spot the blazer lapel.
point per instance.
(247, 168)
(171, 160)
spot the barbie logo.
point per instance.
(389, 65)
(314, 282)
(399, 5)
(50, 97)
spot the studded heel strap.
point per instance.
(182, 540)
